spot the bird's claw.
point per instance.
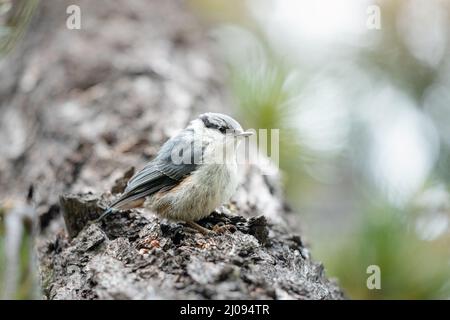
(199, 228)
(224, 228)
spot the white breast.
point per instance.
(209, 186)
(195, 198)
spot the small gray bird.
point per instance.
(193, 173)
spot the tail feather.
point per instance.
(112, 207)
(124, 203)
(104, 214)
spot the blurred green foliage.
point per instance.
(26, 287)
(262, 99)
(2, 249)
(14, 19)
(15, 16)
(410, 267)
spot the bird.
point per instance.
(193, 173)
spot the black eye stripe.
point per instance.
(220, 122)
(206, 122)
(216, 124)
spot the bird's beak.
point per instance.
(243, 134)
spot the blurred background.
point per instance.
(360, 91)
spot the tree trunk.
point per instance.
(81, 109)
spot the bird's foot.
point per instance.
(222, 228)
(199, 228)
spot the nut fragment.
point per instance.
(155, 244)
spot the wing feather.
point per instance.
(162, 173)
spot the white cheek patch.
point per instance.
(221, 148)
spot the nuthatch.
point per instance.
(193, 173)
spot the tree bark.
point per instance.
(81, 109)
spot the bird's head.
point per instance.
(226, 126)
(221, 133)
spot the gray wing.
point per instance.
(176, 160)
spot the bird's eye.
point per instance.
(222, 130)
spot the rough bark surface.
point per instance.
(81, 109)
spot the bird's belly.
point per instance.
(198, 195)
